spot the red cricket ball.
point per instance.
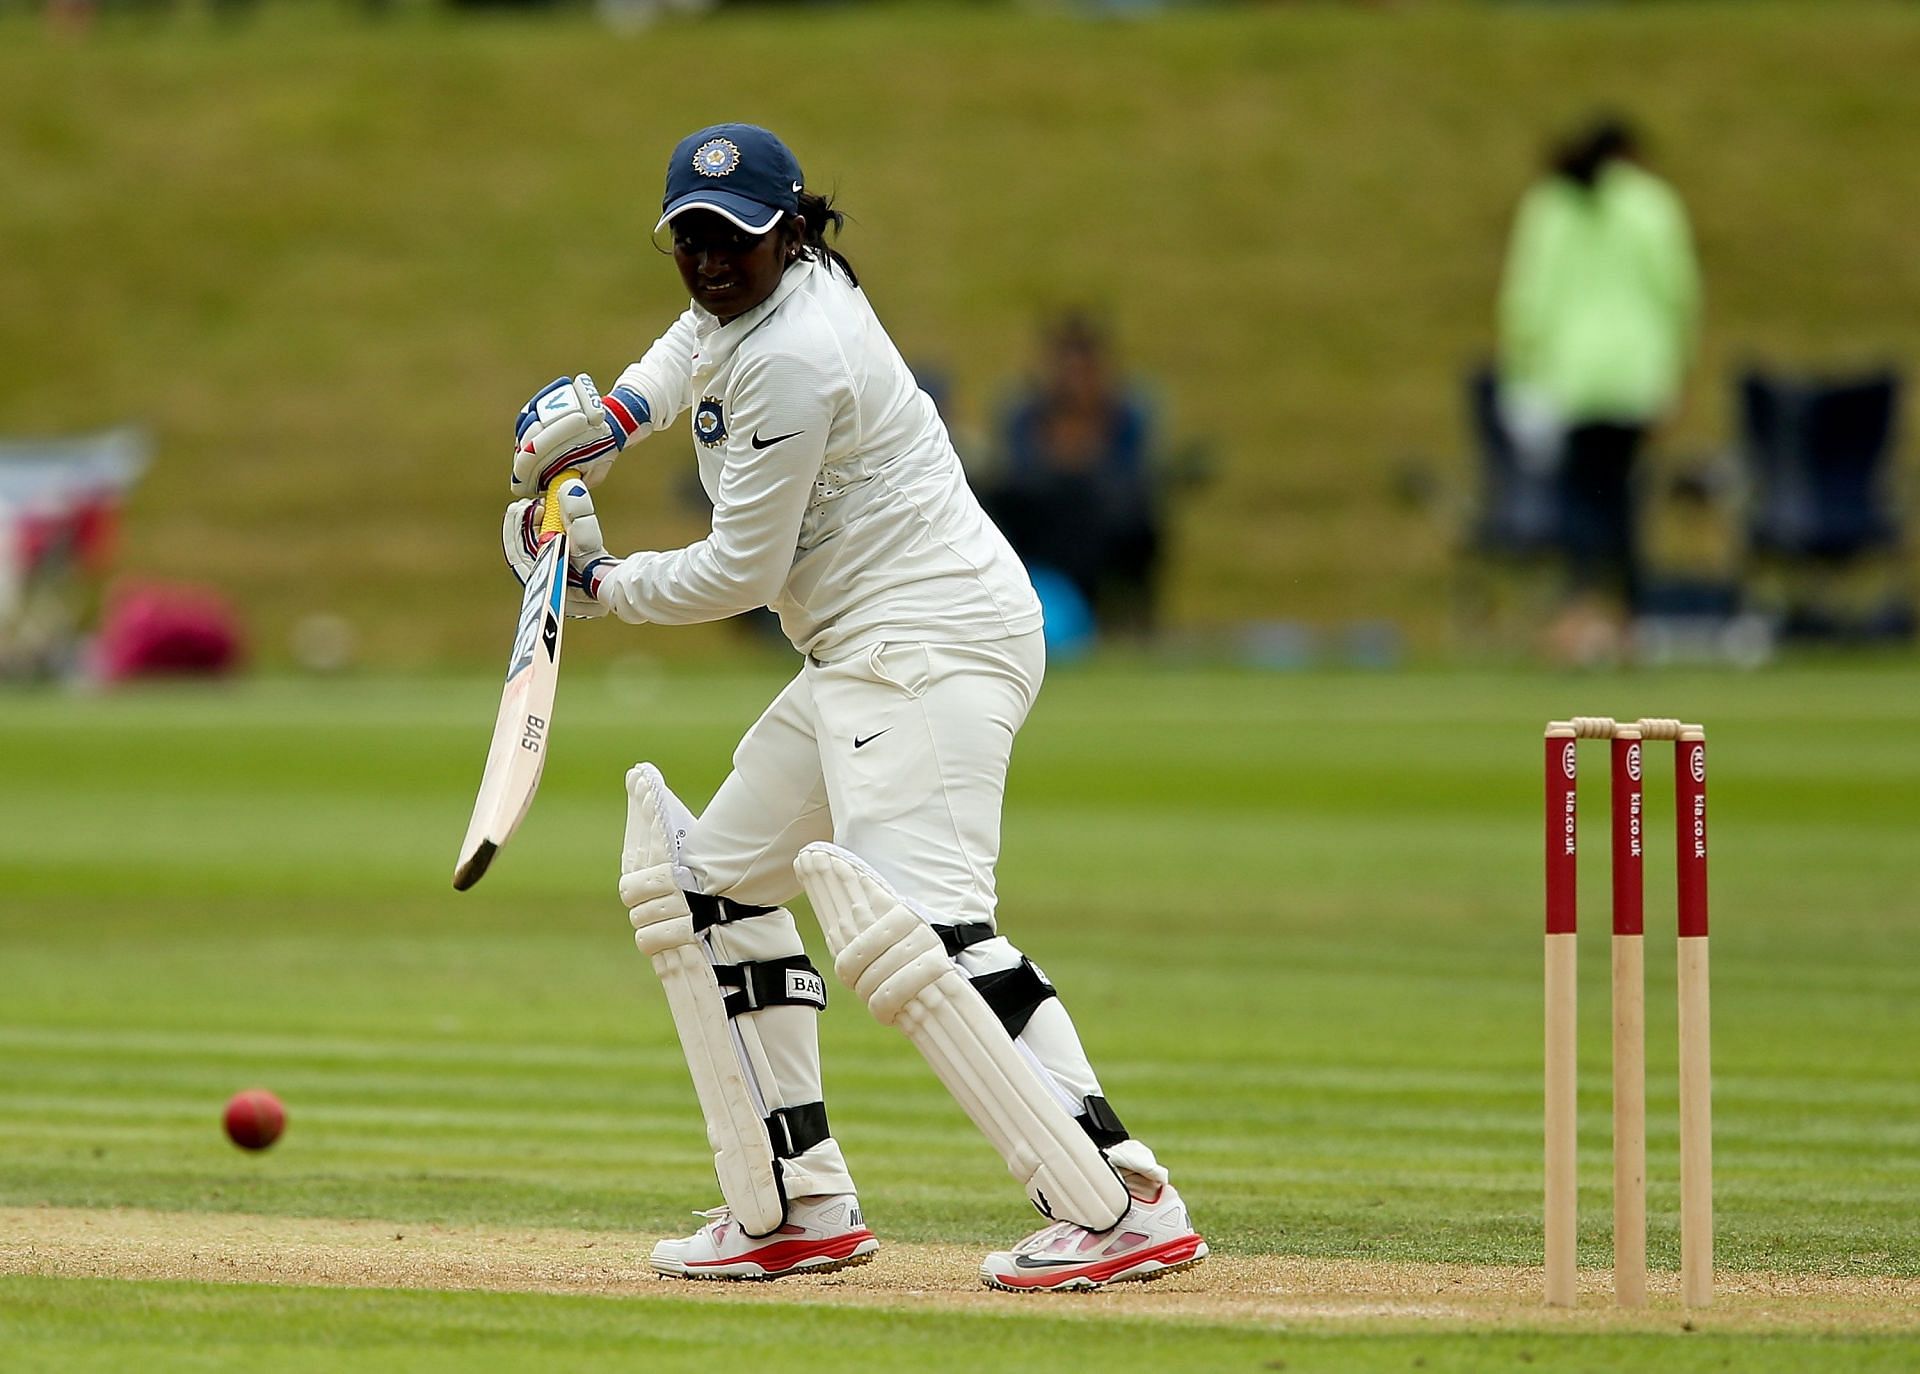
(255, 1119)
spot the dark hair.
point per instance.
(1580, 158)
(1077, 330)
(817, 216)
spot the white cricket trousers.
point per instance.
(898, 753)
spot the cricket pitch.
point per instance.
(1272, 1291)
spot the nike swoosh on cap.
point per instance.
(758, 442)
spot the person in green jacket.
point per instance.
(1598, 313)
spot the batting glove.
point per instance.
(568, 424)
(587, 558)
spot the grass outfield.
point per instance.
(1296, 917)
(85, 1326)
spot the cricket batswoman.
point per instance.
(873, 782)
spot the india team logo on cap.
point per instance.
(708, 425)
(716, 157)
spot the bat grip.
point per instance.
(550, 521)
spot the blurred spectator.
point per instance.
(1077, 493)
(1598, 312)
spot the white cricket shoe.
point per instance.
(1152, 1240)
(821, 1234)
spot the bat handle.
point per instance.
(550, 521)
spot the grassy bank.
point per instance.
(326, 259)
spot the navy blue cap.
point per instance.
(739, 171)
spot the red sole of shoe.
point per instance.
(789, 1257)
(1169, 1257)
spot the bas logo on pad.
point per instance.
(807, 986)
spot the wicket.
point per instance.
(1629, 1008)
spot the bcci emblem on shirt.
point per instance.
(708, 426)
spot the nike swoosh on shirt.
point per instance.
(758, 442)
(859, 743)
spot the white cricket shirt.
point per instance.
(838, 499)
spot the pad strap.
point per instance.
(717, 911)
(756, 983)
(957, 938)
(795, 1130)
(1102, 1123)
(1014, 994)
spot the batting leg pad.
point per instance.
(704, 1000)
(892, 958)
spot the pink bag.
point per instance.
(157, 629)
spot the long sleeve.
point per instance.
(777, 439)
(663, 378)
(1675, 271)
(1527, 286)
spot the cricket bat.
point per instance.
(519, 749)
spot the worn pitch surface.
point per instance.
(130, 1243)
